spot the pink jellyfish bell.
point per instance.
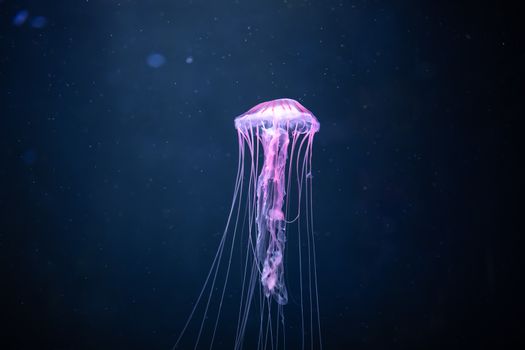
(260, 214)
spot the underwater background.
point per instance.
(119, 157)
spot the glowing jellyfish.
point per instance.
(275, 160)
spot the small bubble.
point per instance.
(20, 18)
(156, 60)
(189, 60)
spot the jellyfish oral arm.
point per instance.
(270, 218)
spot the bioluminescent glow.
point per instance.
(273, 191)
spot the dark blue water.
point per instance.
(119, 157)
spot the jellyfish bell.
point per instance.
(275, 164)
(283, 113)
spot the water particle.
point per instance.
(156, 60)
(39, 22)
(20, 18)
(189, 60)
(29, 157)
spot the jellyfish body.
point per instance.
(275, 151)
(274, 123)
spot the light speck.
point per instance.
(189, 60)
(156, 60)
(39, 22)
(20, 18)
(29, 157)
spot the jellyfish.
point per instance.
(275, 143)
